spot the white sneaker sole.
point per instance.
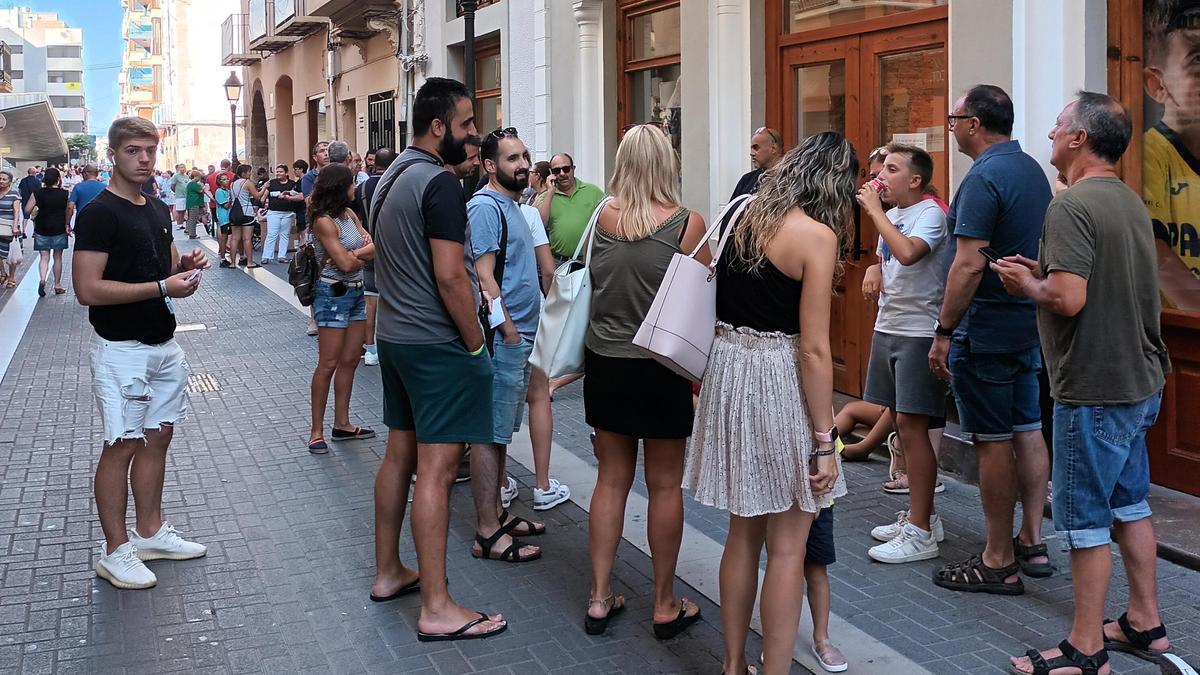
(876, 537)
(150, 554)
(103, 573)
(938, 489)
(916, 557)
(1172, 664)
(549, 505)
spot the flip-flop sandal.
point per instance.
(517, 521)
(462, 634)
(668, 630)
(1138, 640)
(973, 576)
(1089, 664)
(406, 589)
(594, 626)
(512, 554)
(1030, 569)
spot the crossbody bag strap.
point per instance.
(731, 214)
(381, 193)
(589, 232)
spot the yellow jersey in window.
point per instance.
(1171, 191)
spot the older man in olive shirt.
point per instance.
(1096, 287)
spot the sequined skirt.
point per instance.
(752, 439)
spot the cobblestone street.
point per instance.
(284, 586)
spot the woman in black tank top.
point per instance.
(762, 446)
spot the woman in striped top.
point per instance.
(340, 308)
(10, 216)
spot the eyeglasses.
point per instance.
(556, 170)
(951, 120)
(504, 133)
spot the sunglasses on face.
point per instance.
(556, 170)
(504, 133)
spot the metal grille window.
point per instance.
(381, 121)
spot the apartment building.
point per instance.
(46, 56)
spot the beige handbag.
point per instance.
(6, 228)
(679, 329)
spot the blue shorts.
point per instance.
(820, 549)
(1101, 472)
(997, 394)
(51, 242)
(510, 382)
(334, 311)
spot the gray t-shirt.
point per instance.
(425, 203)
(1112, 351)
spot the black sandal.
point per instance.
(517, 521)
(1071, 658)
(1138, 640)
(668, 630)
(1024, 553)
(973, 576)
(511, 554)
(594, 626)
(411, 587)
(462, 634)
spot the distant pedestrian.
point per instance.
(299, 169)
(241, 240)
(340, 308)
(766, 149)
(12, 221)
(282, 196)
(128, 272)
(195, 202)
(363, 196)
(178, 186)
(51, 230)
(84, 191)
(223, 200)
(31, 183)
(627, 396)
(539, 182)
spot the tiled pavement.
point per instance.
(284, 586)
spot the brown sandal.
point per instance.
(973, 576)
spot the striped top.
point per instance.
(351, 238)
(8, 208)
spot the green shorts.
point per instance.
(440, 391)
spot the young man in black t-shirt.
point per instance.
(127, 270)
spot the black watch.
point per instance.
(939, 329)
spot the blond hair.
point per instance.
(646, 174)
(127, 128)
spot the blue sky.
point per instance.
(101, 24)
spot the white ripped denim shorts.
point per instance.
(138, 387)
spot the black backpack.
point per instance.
(303, 273)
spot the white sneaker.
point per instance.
(911, 545)
(122, 568)
(166, 543)
(552, 497)
(371, 358)
(892, 530)
(508, 493)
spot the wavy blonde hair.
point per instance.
(646, 173)
(818, 177)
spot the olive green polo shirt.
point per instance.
(569, 215)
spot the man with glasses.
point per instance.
(988, 339)
(766, 149)
(567, 208)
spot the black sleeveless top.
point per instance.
(51, 218)
(762, 299)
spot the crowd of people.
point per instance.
(444, 290)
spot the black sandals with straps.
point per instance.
(1138, 640)
(1088, 664)
(1031, 569)
(511, 554)
(973, 576)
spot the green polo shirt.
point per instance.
(569, 217)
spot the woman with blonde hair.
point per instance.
(763, 446)
(627, 396)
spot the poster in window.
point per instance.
(1171, 144)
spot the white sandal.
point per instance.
(834, 654)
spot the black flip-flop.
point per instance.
(462, 634)
(668, 630)
(406, 589)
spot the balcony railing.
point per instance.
(235, 41)
(263, 36)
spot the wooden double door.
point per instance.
(874, 87)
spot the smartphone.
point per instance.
(193, 276)
(989, 253)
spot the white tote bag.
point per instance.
(679, 329)
(558, 346)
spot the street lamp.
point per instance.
(233, 92)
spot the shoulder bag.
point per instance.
(237, 216)
(558, 346)
(679, 329)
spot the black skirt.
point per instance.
(636, 397)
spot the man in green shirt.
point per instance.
(566, 206)
(179, 183)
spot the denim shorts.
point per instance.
(1101, 472)
(510, 382)
(997, 394)
(49, 242)
(334, 311)
(138, 386)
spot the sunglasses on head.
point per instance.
(556, 170)
(504, 133)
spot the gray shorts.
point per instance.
(899, 376)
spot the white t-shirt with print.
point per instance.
(912, 295)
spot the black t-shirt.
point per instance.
(747, 184)
(279, 203)
(137, 240)
(51, 218)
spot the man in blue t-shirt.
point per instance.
(988, 339)
(84, 192)
(320, 157)
(508, 276)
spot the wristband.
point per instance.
(479, 351)
(162, 288)
(830, 436)
(824, 453)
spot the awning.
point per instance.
(31, 132)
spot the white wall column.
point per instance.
(541, 84)
(729, 99)
(589, 99)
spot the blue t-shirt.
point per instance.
(85, 192)
(1002, 200)
(520, 289)
(307, 182)
(223, 204)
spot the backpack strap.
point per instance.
(502, 255)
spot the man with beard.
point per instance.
(567, 207)
(508, 277)
(766, 149)
(437, 377)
